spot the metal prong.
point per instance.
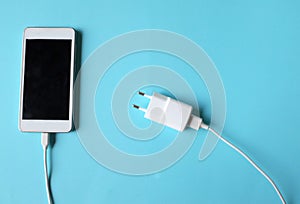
(139, 108)
(145, 95)
(136, 106)
(141, 93)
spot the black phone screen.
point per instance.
(46, 91)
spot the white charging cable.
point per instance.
(178, 115)
(45, 144)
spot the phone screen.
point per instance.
(47, 69)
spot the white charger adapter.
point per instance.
(171, 113)
(178, 115)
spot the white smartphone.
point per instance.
(46, 100)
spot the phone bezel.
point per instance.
(47, 125)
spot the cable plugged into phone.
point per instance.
(45, 144)
(46, 102)
(178, 115)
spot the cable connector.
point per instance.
(45, 140)
(170, 112)
(45, 143)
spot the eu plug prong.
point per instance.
(139, 108)
(145, 95)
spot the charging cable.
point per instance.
(45, 144)
(178, 115)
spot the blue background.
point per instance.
(255, 46)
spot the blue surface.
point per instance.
(255, 46)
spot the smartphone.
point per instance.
(46, 99)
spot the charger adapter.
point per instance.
(178, 115)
